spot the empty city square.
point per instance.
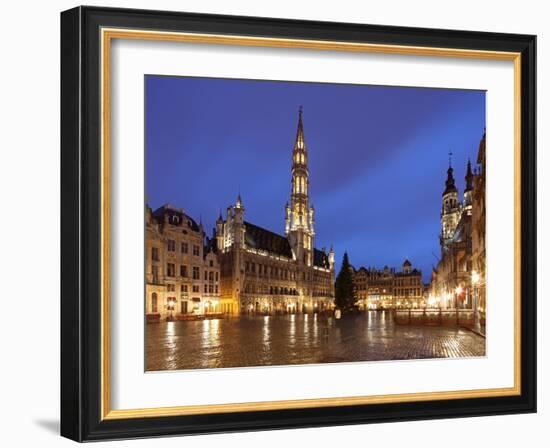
(291, 223)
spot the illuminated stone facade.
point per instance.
(265, 272)
(182, 270)
(388, 289)
(458, 281)
(478, 235)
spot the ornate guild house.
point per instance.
(265, 272)
(389, 289)
(182, 271)
(458, 281)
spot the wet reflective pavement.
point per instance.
(300, 339)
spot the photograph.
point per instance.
(296, 223)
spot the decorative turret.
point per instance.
(239, 210)
(450, 182)
(287, 218)
(238, 222)
(219, 232)
(451, 208)
(469, 176)
(331, 257)
(239, 203)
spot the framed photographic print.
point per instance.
(276, 224)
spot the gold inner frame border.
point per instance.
(107, 35)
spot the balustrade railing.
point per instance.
(434, 316)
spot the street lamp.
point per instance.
(458, 292)
(171, 303)
(475, 282)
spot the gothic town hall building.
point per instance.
(265, 272)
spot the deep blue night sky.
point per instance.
(377, 157)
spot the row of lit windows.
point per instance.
(184, 272)
(171, 247)
(273, 290)
(321, 278)
(407, 281)
(211, 289)
(273, 272)
(171, 287)
(322, 293)
(211, 276)
(208, 289)
(407, 292)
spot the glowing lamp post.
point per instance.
(458, 293)
(171, 303)
(475, 282)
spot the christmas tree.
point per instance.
(345, 298)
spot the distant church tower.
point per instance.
(299, 217)
(450, 211)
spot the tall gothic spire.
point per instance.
(239, 203)
(300, 144)
(299, 220)
(299, 198)
(469, 176)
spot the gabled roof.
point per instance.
(257, 237)
(320, 259)
(262, 239)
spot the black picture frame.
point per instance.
(81, 224)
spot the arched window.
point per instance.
(154, 303)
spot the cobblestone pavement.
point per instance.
(300, 339)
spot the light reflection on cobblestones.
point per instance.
(300, 339)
